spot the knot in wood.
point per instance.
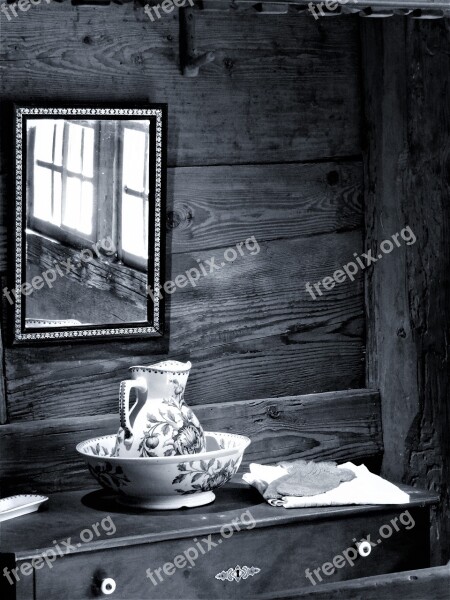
(273, 412)
(173, 219)
(179, 217)
(333, 177)
(228, 64)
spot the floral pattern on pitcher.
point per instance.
(186, 435)
(157, 422)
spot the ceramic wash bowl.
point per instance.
(166, 482)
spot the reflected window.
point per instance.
(62, 156)
(88, 181)
(134, 194)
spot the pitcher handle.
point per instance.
(124, 402)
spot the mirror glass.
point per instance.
(88, 241)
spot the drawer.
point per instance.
(287, 556)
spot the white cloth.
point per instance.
(365, 488)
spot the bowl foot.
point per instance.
(168, 502)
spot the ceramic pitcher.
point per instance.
(159, 423)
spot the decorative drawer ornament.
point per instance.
(237, 573)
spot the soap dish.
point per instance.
(22, 504)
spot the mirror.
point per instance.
(89, 187)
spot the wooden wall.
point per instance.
(265, 143)
(406, 77)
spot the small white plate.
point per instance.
(16, 506)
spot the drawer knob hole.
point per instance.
(108, 586)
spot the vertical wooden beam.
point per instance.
(406, 66)
(389, 343)
(428, 201)
(3, 405)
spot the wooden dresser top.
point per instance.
(69, 513)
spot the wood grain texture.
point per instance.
(337, 425)
(250, 106)
(126, 544)
(250, 329)
(420, 584)
(6, 191)
(3, 247)
(100, 290)
(69, 512)
(280, 568)
(298, 103)
(3, 399)
(400, 4)
(220, 206)
(409, 295)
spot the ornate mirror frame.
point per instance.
(153, 326)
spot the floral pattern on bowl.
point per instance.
(98, 450)
(165, 482)
(109, 476)
(204, 475)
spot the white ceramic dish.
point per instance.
(22, 504)
(166, 482)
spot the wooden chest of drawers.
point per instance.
(87, 546)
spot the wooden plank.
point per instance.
(337, 425)
(409, 295)
(71, 511)
(419, 584)
(99, 291)
(23, 589)
(220, 206)
(250, 329)
(214, 206)
(376, 4)
(86, 378)
(388, 326)
(280, 568)
(3, 401)
(3, 248)
(250, 102)
(6, 195)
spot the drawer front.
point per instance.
(284, 557)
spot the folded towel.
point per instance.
(307, 478)
(365, 488)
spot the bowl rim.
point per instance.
(164, 460)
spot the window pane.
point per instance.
(87, 205)
(88, 153)
(74, 148)
(134, 159)
(58, 142)
(42, 205)
(57, 198)
(71, 213)
(44, 139)
(134, 225)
